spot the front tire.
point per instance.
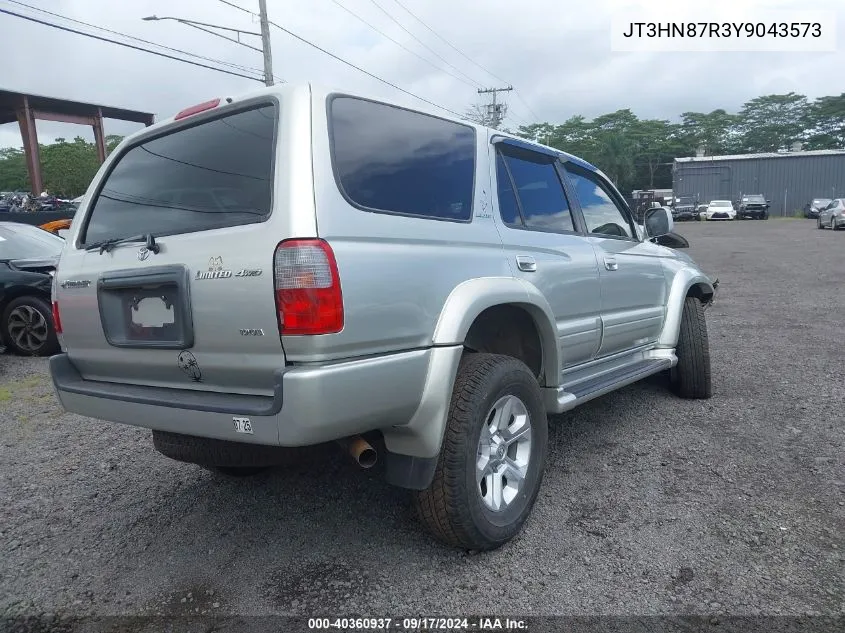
(491, 462)
(28, 327)
(690, 378)
(832, 223)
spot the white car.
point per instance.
(720, 210)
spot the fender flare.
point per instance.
(421, 437)
(470, 298)
(685, 279)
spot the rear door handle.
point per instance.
(526, 264)
(610, 263)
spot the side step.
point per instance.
(570, 396)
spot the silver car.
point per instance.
(833, 215)
(297, 266)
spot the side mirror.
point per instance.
(658, 222)
(672, 240)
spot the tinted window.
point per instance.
(28, 242)
(540, 192)
(399, 161)
(209, 176)
(508, 208)
(601, 213)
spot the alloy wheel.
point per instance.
(28, 328)
(504, 453)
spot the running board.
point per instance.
(566, 398)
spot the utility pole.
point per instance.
(265, 43)
(496, 111)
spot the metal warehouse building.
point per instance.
(789, 180)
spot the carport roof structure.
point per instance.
(26, 108)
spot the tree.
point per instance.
(657, 143)
(773, 122)
(717, 132)
(825, 123)
(67, 167)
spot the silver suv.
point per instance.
(298, 266)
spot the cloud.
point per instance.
(556, 54)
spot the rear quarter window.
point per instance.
(215, 174)
(391, 160)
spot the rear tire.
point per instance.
(472, 477)
(28, 327)
(690, 378)
(222, 455)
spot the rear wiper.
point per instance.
(105, 246)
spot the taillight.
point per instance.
(57, 321)
(308, 295)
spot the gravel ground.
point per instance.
(650, 504)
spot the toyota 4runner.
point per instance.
(298, 266)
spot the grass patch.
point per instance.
(5, 394)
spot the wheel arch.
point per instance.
(687, 282)
(473, 299)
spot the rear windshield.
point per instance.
(212, 175)
(399, 161)
(754, 199)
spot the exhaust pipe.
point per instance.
(360, 450)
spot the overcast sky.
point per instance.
(556, 53)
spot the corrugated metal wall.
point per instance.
(789, 182)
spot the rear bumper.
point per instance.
(310, 405)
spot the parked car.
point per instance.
(411, 312)
(720, 210)
(754, 206)
(833, 215)
(28, 257)
(812, 208)
(684, 208)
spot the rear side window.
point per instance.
(538, 189)
(212, 175)
(393, 160)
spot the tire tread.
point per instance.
(692, 376)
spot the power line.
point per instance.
(465, 56)
(525, 103)
(132, 37)
(132, 46)
(350, 64)
(448, 43)
(424, 45)
(399, 44)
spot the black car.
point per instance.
(685, 208)
(754, 206)
(812, 208)
(28, 258)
